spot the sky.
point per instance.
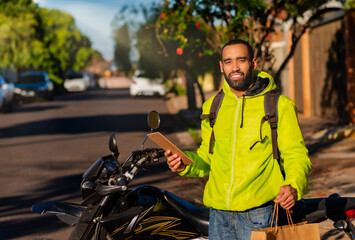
(93, 18)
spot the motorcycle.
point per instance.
(110, 210)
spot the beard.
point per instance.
(243, 84)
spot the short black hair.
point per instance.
(240, 41)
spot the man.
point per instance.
(244, 178)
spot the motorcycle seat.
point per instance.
(197, 216)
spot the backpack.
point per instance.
(271, 116)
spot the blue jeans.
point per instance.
(238, 225)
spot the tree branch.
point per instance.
(295, 39)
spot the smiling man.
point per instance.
(244, 178)
(237, 66)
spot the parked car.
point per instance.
(77, 82)
(7, 93)
(32, 85)
(143, 84)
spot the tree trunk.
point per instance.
(190, 87)
(200, 90)
(349, 22)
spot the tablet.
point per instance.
(165, 144)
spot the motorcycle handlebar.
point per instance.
(139, 159)
(120, 181)
(160, 152)
(103, 190)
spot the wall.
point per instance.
(319, 70)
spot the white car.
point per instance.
(77, 82)
(144, 85)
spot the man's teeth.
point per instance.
(236, 75)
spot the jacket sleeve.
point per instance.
(202, 157)
(292, 147)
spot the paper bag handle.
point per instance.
(276, 211)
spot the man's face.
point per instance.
(237, 67)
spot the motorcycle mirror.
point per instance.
(113, 145)
(153, 120)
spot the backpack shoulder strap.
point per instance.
(216, 104)
(271, 115)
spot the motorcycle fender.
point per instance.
(66, 212)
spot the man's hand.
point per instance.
(287, 197)
(174, 161)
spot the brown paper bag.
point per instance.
(300, 231)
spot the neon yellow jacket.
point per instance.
(241, 177)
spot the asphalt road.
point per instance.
(45, 147)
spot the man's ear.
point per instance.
(254, 63)
(221, 66)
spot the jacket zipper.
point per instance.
(233, 153)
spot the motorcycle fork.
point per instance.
(89, 232)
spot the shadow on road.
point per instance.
(86, 124)
(98, 94)
(61, 189)
(37, 108)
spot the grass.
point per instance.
(195, 134)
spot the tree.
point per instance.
(41, 39)
(17, 33)
(64, 47)
(122, 48)
(349, 4)
(157, 53)
(155, 56)
(252, 20)
(171, 56)
(141, 36)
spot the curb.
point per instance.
(327, 137)
(333, 133)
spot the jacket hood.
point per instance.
(263, 83)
